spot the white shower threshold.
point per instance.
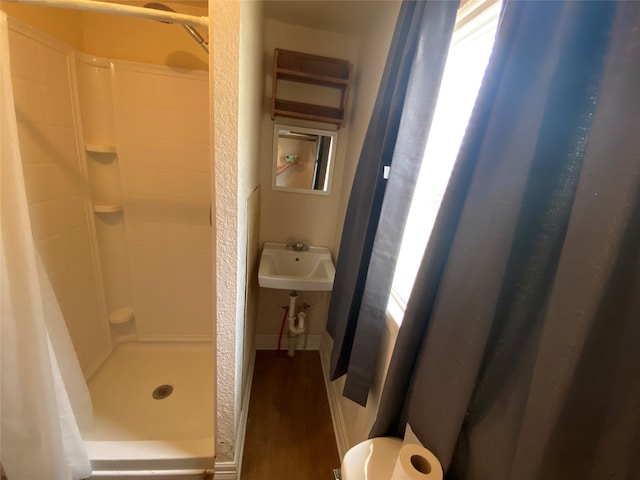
(134, 432)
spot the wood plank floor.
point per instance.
(289, 430)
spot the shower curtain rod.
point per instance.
(118, 9)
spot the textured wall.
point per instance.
(236, 89)
(224, 72)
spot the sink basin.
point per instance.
(284, 268)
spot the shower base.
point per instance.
(135, 432)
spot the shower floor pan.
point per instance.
(153, 409)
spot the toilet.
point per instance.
(373, 459)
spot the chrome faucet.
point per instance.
(298, 246)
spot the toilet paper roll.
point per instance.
(416, 463)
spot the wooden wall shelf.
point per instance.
(311, 70)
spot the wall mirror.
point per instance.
(303, 159)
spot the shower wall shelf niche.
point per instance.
(121, 315)
(102, 171)
(100, 148)
(313, 70)
(108, 208)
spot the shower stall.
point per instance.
(115, 157)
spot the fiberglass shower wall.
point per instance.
(52, 154)
(162, 124)
(147, 135)
(135, 236)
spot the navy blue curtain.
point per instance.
(519, 357)
(377, 211)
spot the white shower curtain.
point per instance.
(44, 400)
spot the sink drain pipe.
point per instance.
(296, 323)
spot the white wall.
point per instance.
(224, 73)
(250, 102)
(287, 216)
(294, 215)
(235, 91)
(316, 219)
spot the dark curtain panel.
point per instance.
(322, 160)
(519, 354)
(374, 220)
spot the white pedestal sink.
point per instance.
(288, 269)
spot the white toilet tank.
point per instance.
(372, 459)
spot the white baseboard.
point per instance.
(151, 475)
(226, 471)
(270, 342)
(333, 394)
(242, 422)
(174, 338)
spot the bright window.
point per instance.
(469, 53)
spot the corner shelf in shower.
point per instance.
(100, 148)
(121, 315)
(108, 208)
